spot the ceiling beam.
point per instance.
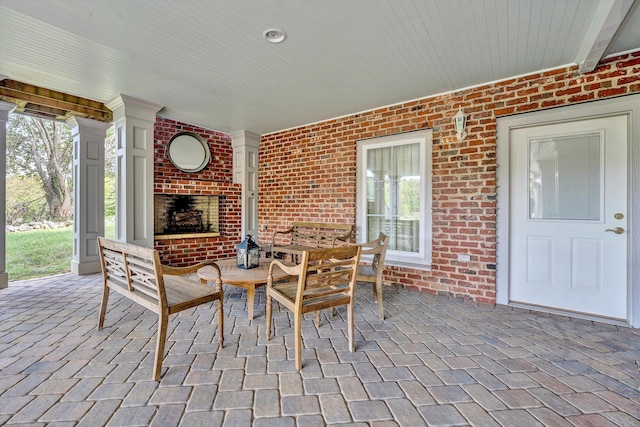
(609, 17)
(50, 104)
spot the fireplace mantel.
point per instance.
(184, 236)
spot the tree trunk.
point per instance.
(51, 155)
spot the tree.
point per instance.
(43, 148)
(110, 173)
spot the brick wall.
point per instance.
(215, 179)
(309, 173)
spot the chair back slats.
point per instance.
(134, 270)
(115, 266)
(327, 273)
(304, 236)
(142, 275)
(327, 279)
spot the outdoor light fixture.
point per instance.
(273, 35)
(460, 122)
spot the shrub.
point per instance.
(109, 196)
(25, 200)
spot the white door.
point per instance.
(568, 216)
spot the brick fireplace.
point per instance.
(185, 215)
(206, 205)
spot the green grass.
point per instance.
(40, 253)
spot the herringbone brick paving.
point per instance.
(433, 361)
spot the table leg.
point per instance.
(250, 294)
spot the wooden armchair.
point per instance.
(136, 273)
(372, 273)
(325, 278)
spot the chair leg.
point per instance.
(318, 315)
(378, 296)
(163, 320)
(103, 306)
(268, 316)
(350, 328)
(297, 332)
(220, 312)
(220, 324)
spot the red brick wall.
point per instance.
(309, 173)
(215, 179)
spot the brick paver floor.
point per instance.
(433, 361)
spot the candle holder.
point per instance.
(247, 254)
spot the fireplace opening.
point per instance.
(185, 215)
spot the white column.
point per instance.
(134, 121)
(88, 192)
(245, 171)
(5, 109)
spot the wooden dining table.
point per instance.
(247, 279)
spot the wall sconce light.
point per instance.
(460, 122)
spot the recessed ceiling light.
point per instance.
(273, 35)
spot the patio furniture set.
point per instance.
(322, 272)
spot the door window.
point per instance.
(565, 178)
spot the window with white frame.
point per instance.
(394, 195)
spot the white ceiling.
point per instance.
(207, 63)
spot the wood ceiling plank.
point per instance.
(50, 103)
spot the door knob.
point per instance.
(617, 230)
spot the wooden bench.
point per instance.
(305, 235)
(137, 273)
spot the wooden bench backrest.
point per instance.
(319, 234)
(133, 271)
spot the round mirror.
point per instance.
(188, 152)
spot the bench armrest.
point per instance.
(345, 238)
(273, 237)
(181, 271)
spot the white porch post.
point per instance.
(5, 109)
(134, 121)
(245, 171)
(88, 192)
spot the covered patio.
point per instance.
(433, 361)
(286, 127)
